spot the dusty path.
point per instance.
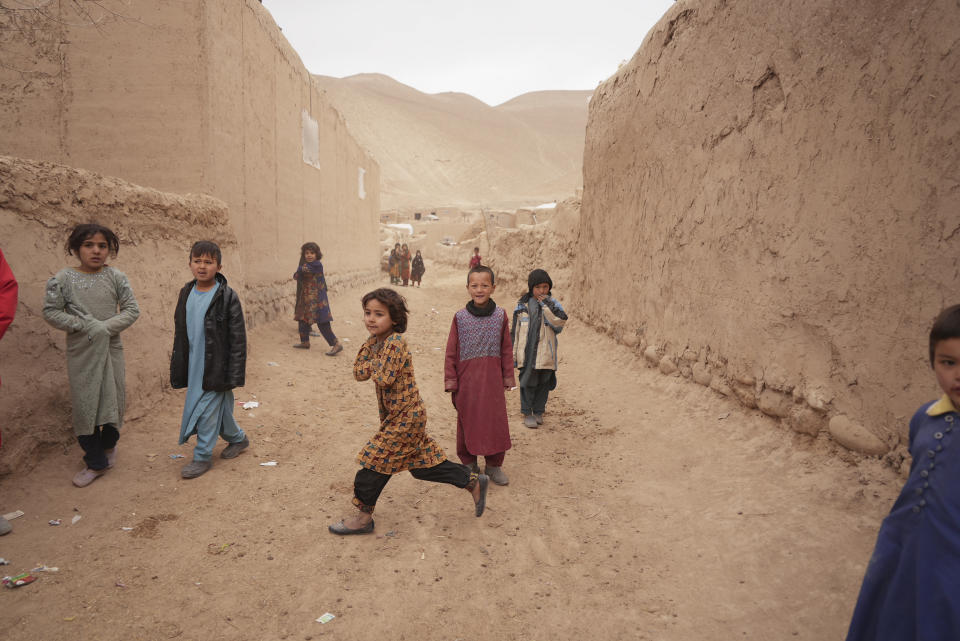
(645, 508)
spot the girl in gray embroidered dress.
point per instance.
(93, 303)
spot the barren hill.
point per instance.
(452, 149)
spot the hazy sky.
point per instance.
(493, 50)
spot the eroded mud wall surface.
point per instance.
(771, 205)
(38, 202)
(195, 97)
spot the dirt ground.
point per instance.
(646, 507)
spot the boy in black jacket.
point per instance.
(209, 359)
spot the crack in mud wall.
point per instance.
(770, 206)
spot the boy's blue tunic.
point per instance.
(205, 413)
(911, 589)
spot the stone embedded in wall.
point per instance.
(716, 361)
(746, 380)
(798, 394)
(701, 374)
(817, 400)
(856, 437)
(777, 378)
(806, 420)
(746, 394)
(720, 386)
(651, 355)
(774, 403)
(667, 366)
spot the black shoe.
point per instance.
(193, 469)
(232, 450)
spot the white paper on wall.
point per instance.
(311, 140)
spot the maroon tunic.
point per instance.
(477, 368)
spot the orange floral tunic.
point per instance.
(402, 442)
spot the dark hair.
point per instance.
(206, 248)
(476, 249)
(313, 247)
(85, 231)
(945, 327)
(395, 303)
(481, 269)
(538, 277)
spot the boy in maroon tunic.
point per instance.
(477, 368)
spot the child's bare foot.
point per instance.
(361, 523)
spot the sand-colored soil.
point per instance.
(647, 507)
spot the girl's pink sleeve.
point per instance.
(8, 295)
(451, 382)
(506, 353)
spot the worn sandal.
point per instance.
(481, 502)
(343, 530)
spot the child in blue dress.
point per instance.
(209, 359)
(911, 589)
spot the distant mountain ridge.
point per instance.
(453, 149)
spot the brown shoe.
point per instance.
(335, 349)
(343, 530)
(302, 345)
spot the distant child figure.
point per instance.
(418, 269)
(911, 589)
(402, 444)
(394, 264)
(478, 368)
(312, 304)
(537, 320)
(209, 359)
(405, 264)
(93, 303)
(475, 259)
